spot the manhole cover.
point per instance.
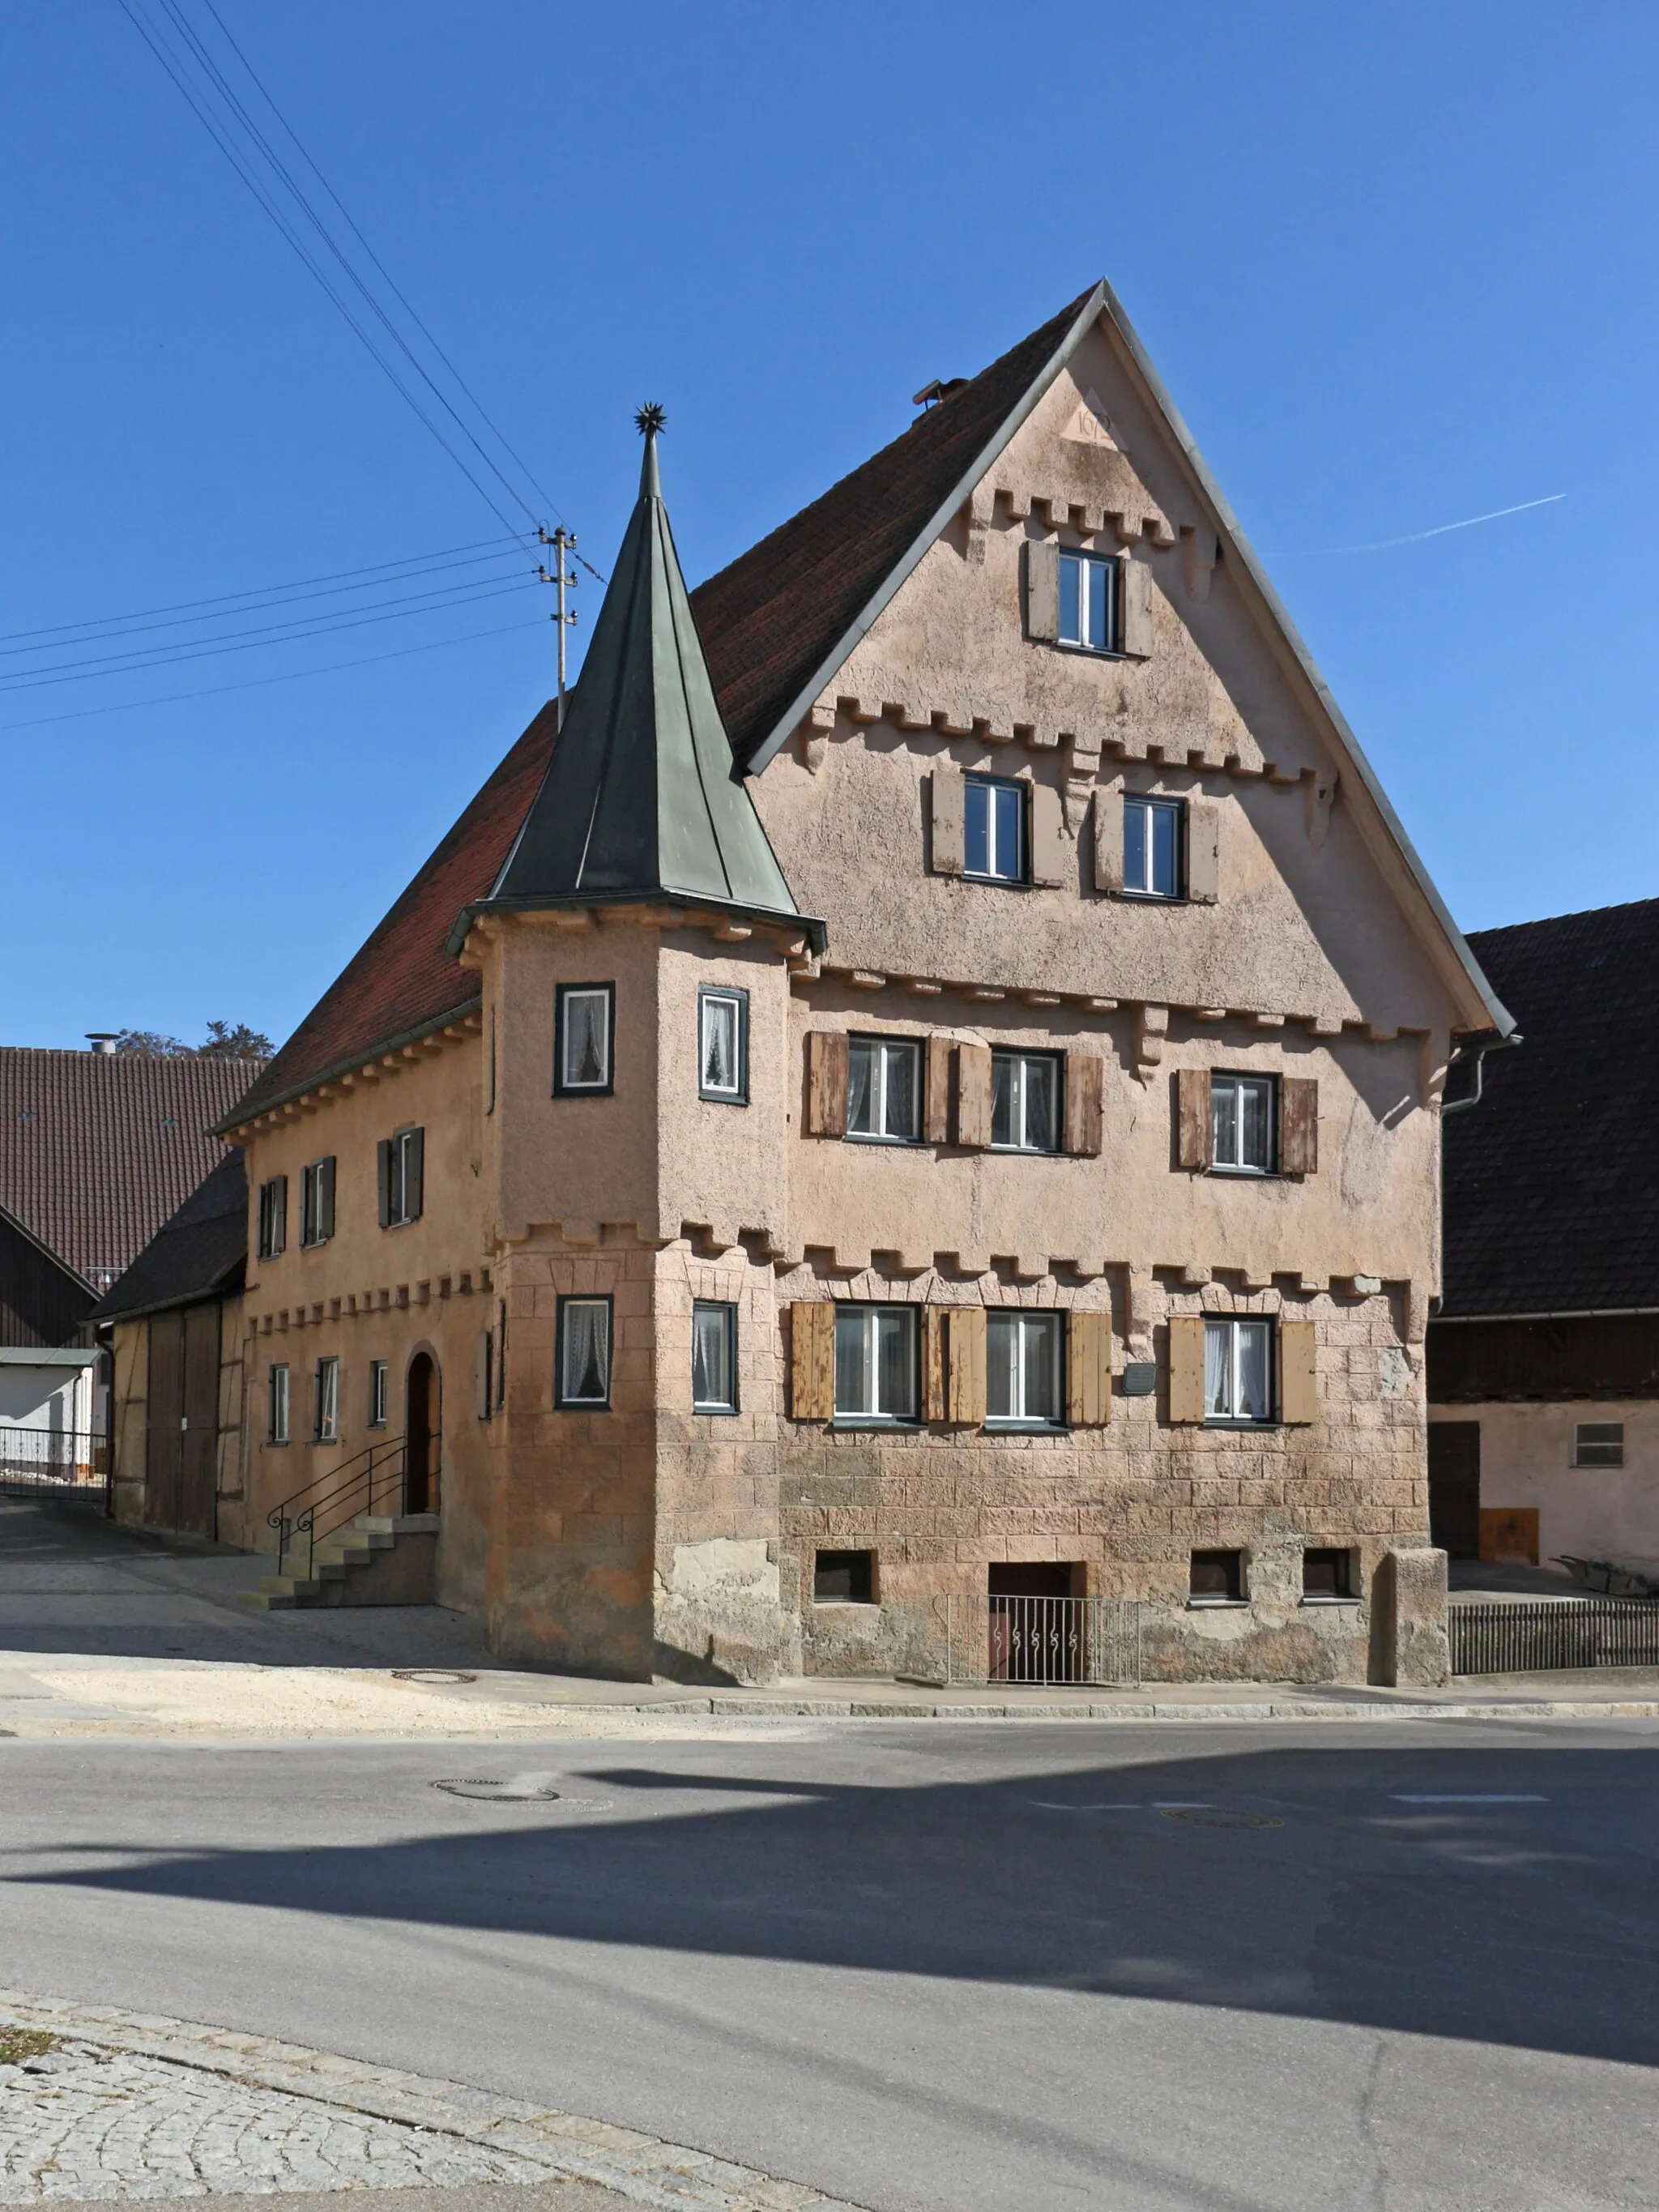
(1215, 1816)
(430, 1674)
(513, 1789)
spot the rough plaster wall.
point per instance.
(722, 1166)
(1593, 1512)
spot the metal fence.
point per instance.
(1524, 1639)
(1091, 1641)
(56, 1463)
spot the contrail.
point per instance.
(1416, 537)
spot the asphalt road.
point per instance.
(940, 1964)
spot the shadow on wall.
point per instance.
(1290, 1882)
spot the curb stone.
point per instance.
(1298, 1709)
(672, 2177)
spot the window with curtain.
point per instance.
(1088, 602)
(883, 1089)
(876, 1363)
(1242, 1122)
(714, 1357)
(1237, 1370)
(328, 1401)
(1153, 841)
(1023, 1366)
(993, 830)
(723, 1045)
(1025, 1102)
(583, 1053)
(584, 1351)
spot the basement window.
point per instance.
(1327, 1574)
(844, 1578)
(1217, 1578)
(1598, 1444)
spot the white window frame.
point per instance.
(1598, 1444)
(728, 1312)
(1240, 1329)
(1001, 867)
(311, 1193)
(1097, 582)
(326, 1427)
(586, 1405)
(1238, 1085)
(273, 1228)
(882, 1049)
(1033, 1341)
(403, 1143)
(568, 994)
(1139, 810)
(736, 1093)
(379, 1392)
(870, 1318)
(1020, 1061)
(278, 1391)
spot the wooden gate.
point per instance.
(181, 1420)
(1455, 1487)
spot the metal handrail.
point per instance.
(347, 1491)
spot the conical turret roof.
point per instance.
(642, 795)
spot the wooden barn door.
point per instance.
(164, 1417)
(198, 1439)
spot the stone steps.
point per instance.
(343, 1567)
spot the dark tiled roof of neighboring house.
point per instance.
(771, 618)
(1551, 1181)
(98, 1149)
(200, 1253)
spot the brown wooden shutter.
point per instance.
(1043, 589)
(1203, 852)
(325, 1199)
(813, 1360)
(1299, 1397)
(973, 1094)
(1084, 1071)
(1088, 1369)
(948, 801)
(414, 1174)
(1109, 841)
(965, 1379)
(935, 1404)
(936, 1103)
(826, 1082)
(1298, 1125)
(1186, 1367)
(1053, 861)
(1194, 1143)
(383, 1169)
(1137, 608)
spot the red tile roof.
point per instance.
(97, 1150)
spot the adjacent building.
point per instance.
(924, 1095)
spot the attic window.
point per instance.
(1088, 602)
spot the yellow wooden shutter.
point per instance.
(1203, 852)
(936, 1104)
(1298, 1394)
(935, 1403)
(965, 1382)
(1088, 1369)
(1186, 1367)
(973, 1094)
(948, 811)
(813, 1360)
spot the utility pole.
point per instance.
(562, 541)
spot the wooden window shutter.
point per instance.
(935, 1406)
(1203, 852)
(278, 1213)
(813, 1360)
(1298, 1125)
(325, 1198)
(1137, 608)
(1109, 841)
(1299, 1397)
(383, 1169)
(936, 1102)
(1088, 1369)
(414, 1174)
(948, 802)
(1193, 1140)
(1053, 854)
(965, 1380)
(973, 1094)
(1084, 1074)
(826, 1082)
(1186, 1367)
(1043, 589)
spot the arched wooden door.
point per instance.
(423, 1433)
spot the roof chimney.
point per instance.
(102, 1040)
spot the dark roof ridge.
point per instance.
(1555, 920)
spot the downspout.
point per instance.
(1477, 1046)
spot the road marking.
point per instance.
(1050, 1805)
(1471, 1797)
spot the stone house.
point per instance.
(1543, 1356)
(925, 1094)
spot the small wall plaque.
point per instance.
(1139, 1378)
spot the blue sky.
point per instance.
(1395, 264)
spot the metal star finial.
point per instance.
(650, 419)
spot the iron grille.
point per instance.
(1094, 1641)
(58, 1461)
(1524, 1639)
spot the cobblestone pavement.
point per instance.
(125, 2106)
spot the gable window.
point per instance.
(584, 1361)
(277, 1431)
(1088, 602)
(273, 1217)
(993, 830)
(714, 1357)
(875, 1363)
(401, 1168)
(1025, 1102)
(1151, 846)
(1216, 1578)
(1242, 1120)
(1023, 1367)
(1598, 1444)
(583, 1024)
(723, 1046)
(377, 1393)
(317, 1201)
(883, 1089)
(1237, 1370)
(326, 1426)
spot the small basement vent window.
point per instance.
(1327, 1573)
(1598, 1444)
(1217, 1578)
(844, 1578)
